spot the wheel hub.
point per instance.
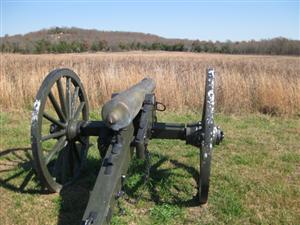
(73, 129)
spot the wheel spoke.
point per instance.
(56, 107)
(74, 97)
(68, 97)
(61, 96)
(54, 135)
(78, 110)
(51, 119)
(56, 148)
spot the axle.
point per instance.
(191, 133)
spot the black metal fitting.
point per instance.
(53, 128)
(145, 125)
(194, 134)
(162, 108)
(117, 143)
(108, 165)
(90, 220)
(218, 135)
(121, 192)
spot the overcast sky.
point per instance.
(204, 20)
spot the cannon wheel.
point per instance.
(59, 152)
(207, 144)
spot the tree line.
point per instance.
(276, 46)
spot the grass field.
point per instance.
(255, 177)
(244, 83)
(255, 171)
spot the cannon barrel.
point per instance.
(119, 112)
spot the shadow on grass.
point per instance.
(160, 178)
(16, 171)
(74, 198)
(17, 174)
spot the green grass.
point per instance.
(255, 177)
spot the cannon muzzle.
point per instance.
(123, 108)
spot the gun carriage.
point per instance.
(61, 117)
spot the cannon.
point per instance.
(60, 131)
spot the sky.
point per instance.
(192, 19)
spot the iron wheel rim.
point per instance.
(207, 143)
(49, 169)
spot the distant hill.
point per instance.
(76, 34)
(64, 40)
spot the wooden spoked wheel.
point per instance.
(59, 151)
(207, 143)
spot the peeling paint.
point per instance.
(35, 112)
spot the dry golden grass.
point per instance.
(267, 84)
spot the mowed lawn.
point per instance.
(255, 177)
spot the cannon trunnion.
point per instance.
(60, 131)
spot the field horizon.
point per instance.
(244, 83)
(72, 39)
